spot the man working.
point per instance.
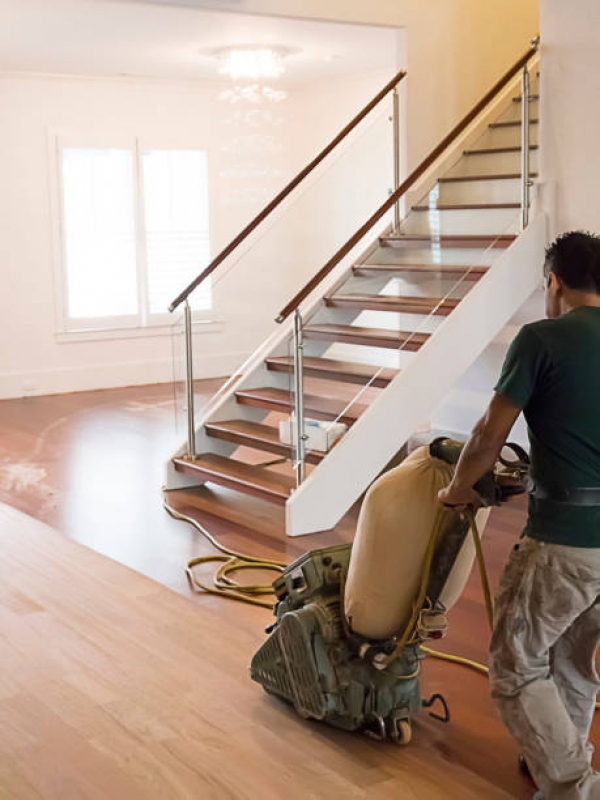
(547, 614)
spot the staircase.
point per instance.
(385, 338)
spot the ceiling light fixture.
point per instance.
(252, 63)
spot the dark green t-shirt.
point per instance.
(552, 372)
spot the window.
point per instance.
(176, 211)
(134, 233)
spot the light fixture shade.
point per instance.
(251, 62)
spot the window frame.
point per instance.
(143, 324)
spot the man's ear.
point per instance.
(554, 283)
(554, 292)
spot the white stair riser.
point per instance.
(514, 110)
(429, 255)
(393, 321)
(394, 359)
(468, 221)
(507, 137)
(410, 285)
(493, 164)
(487, 191)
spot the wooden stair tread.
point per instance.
(466, 206)
(397, 303)
(317, 406)
(371, 337)
(257, 436)
(505, 176)
(346, 371)
(511, 123)
(449, 240)
(519, 99)
(255, 480)
(483, 151)
(461, 270)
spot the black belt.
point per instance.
(569, 495)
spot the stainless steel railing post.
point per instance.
(189, 381)
(300, 436)
(525, 179)
(396, 124)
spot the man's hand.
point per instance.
(480, 453)
(459, 499)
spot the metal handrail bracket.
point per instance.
(189, 382)
(525, 181)
(299, 433)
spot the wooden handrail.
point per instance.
(286, 191)
(403, 188)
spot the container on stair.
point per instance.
(321, 436)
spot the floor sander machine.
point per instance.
(352, 621)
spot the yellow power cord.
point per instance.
(232, 561)
(467, 662)
(224, 586)
(489, 606)
(420, 598)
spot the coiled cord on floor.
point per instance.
(231, 562)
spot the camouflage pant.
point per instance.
(547, 627)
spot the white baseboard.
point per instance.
(110, 376)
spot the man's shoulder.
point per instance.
(544, 329)
(569, 325)
(533, 334)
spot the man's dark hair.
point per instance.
(575, 258)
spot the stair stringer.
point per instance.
(340, 479)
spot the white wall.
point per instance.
(570, 84)
(570, 170)
(456, 49)
(253, 151)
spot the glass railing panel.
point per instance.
(234, 327)
(411, 294)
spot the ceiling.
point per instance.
(119, 37)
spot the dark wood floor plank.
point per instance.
(503, 176)
(329, 368)
(465, 207)
(398, 304)
(317, 406)
(369, 337)
(256, 435)
(443, 270)
(248, 478)
(463, 241)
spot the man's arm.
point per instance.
(481, 452)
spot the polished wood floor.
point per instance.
(111, 685)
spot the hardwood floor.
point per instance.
(113, 686)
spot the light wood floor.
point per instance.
(114, 686)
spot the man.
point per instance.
(547, 614)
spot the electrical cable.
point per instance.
(233, 561)
(485, 584)
(420, 599)
(465, 662)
